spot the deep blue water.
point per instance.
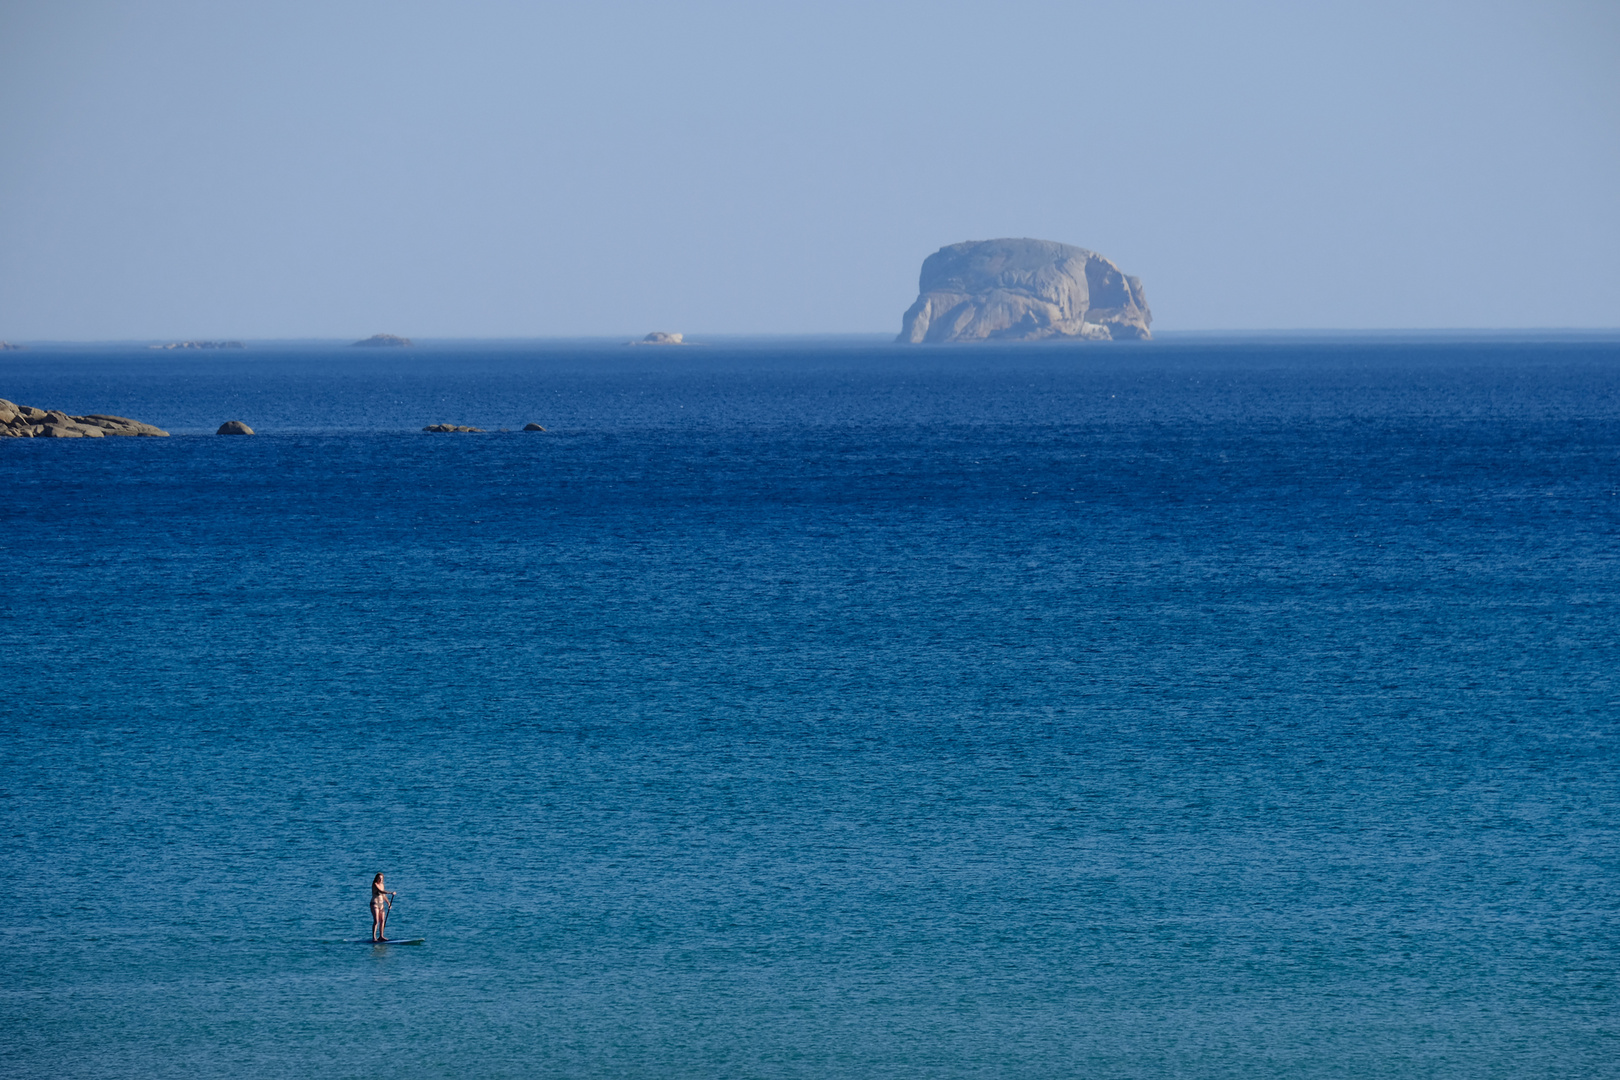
(1199, 709)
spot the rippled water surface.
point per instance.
(811, 709)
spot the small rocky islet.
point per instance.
(661, 337)
(25, 421)
(200, 345)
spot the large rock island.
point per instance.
(1024, 290)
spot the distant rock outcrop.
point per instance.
(6, 346)
(25, 421)
(385, 341)
(200, 345)
(451, 427)
(533, 427)
(234, 427)
(660, 337)
(1024, 290)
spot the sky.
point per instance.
(173, 169)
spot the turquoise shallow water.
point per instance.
(803, 710)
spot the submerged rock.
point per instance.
(451, 427)
(234, 427)
(1024, 290)
(25, 421)
(385, 341)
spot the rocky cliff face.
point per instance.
(1024, 290)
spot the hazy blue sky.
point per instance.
(289, 169)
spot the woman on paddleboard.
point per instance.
(382, 902)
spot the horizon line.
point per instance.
(874, 336)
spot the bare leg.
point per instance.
(376, 923)
(382, 927)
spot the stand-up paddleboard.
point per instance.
(384, 941)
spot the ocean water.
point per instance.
(817, 709)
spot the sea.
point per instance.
(1207, 707)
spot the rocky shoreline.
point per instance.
(25, 421)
